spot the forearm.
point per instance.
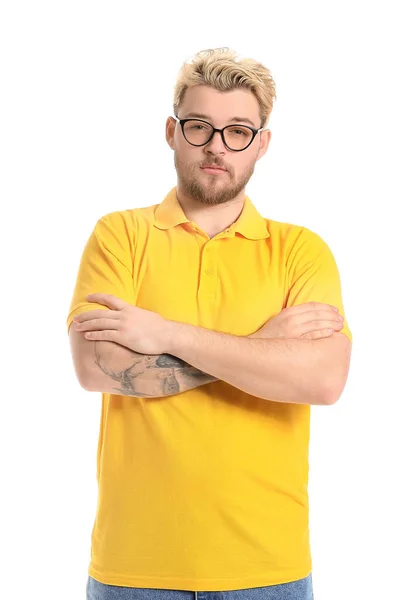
(121, 371)
(281, 370)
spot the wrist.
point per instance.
(174, 336)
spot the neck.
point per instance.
(212, 219)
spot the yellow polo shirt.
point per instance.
(206, 489)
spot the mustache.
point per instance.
(214, 164)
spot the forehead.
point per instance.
(220, 107)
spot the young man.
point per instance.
(210, 331)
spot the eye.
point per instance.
(196, 126)
(239, 132)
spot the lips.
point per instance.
(213, 168)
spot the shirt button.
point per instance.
(208, 271)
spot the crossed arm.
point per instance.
(143, 375)
(281, 370)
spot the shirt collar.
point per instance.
(250, 223)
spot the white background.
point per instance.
(86, 88)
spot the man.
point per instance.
(210, 331)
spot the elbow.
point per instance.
(331, 398)
(86, 382)
(83, 379)
(335, 389)
(338, 377)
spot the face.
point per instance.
(220, 109)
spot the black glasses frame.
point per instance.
(221, 131)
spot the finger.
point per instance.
(318, 325)
(106, 335)
(96, 324)
(309, 306)
(315, 335)
(319, 316)
(94, 314)
(108, 300)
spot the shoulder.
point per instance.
(294, 238)
(125, 223)
(127, 217)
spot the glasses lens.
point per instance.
(238, 136)
(197, 132)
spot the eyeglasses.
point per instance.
(235, 137)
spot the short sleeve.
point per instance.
(106, 264)
(313, 274)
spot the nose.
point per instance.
(216, 145)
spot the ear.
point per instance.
(265, 137)
(169, 131)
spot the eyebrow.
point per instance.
(233, 120)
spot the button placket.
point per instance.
(208, 278)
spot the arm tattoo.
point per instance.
(171, 375)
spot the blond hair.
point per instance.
(222, 69)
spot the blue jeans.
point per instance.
(295, 590)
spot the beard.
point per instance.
(211, 192)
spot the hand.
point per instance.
(140, 330)
(309, 321)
